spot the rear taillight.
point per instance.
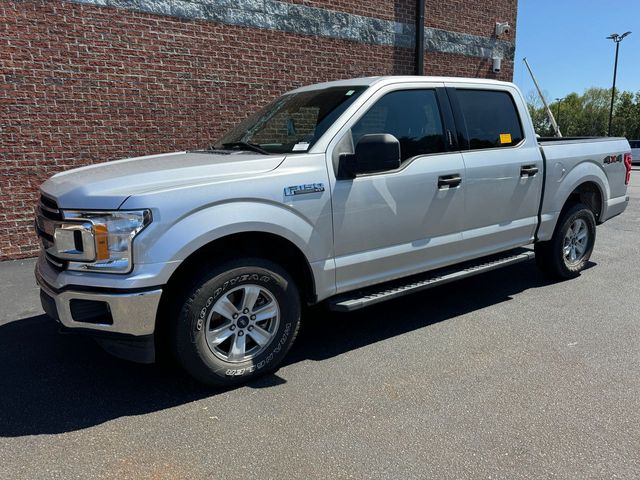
(627, 165)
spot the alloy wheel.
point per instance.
(242, 323)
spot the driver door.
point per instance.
(395, 223)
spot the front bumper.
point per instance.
(131, 313)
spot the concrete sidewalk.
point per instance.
(18, 291)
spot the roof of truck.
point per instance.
(368, 81)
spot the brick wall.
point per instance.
(81, 83)
(451, 64)
(474, 17)
(401, 10)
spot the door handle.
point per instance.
(449, 181)
(528, 170)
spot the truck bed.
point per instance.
(570, 161)
(562, 140)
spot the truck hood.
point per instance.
(107, 185)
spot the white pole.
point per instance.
(544, 101)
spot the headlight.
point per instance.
(99, 241)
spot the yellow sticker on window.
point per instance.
(505, 138)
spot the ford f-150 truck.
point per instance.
(348, 193)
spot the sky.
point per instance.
(566, 46)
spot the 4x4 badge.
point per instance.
(612, 159)
(303, 189)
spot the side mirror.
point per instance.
(375, 152)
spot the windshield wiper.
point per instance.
(246, 146)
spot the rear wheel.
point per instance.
(569, 250)
(237, 321)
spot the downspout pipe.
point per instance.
(420, 37)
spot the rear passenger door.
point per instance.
(504, 168)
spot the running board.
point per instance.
(380, 293)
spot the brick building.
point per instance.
(87, 81)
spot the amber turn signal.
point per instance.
(101, 235)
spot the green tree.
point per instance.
(626, 119)
(588, 114)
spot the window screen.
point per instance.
(412, 116)
(491, 118)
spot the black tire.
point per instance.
(550, 256)
(189, 339)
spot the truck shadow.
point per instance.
(51, 383)
(325, 334)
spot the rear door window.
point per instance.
(412, 116)
(491, 118)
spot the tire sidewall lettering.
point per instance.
(264, 362)
(204, 313)
(238, 280)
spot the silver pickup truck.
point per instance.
(348, 193)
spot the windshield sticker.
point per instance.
(349, 93)
(300, 147)
(505, 138)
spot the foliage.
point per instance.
(588, 114)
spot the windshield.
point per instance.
(292, 123)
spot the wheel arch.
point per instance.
(252, 243)
(261, 244)
(590, 194)
(586, 184)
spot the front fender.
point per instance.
(199, 228)
(168, 244)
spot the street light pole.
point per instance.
(617, 39)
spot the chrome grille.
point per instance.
(49, 208)
(48, 217)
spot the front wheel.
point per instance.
(569, 250)
(237, 322)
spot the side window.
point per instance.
(491, 117)
(412, 116)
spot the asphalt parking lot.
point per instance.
(501, 376)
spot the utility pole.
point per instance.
(617, 39)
